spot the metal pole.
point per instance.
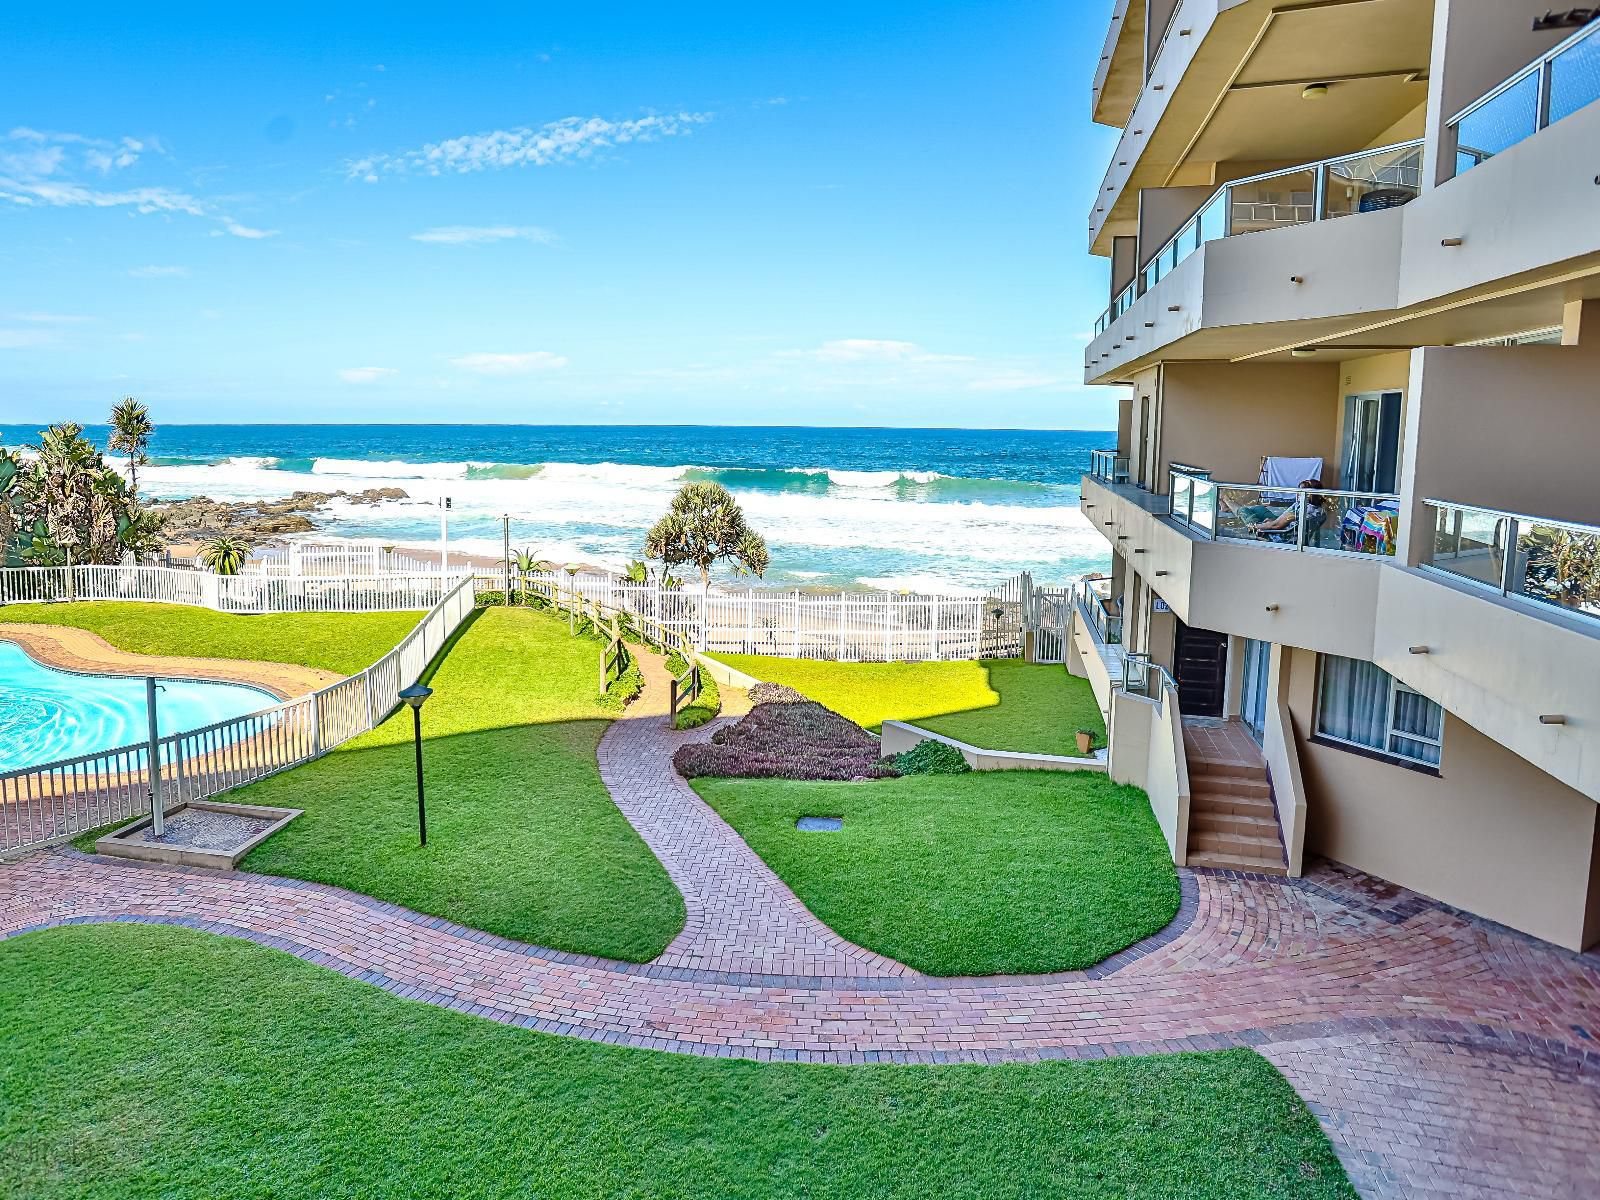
(158, 815)
(505, 540)
(422, 811)
(444, 539)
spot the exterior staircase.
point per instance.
(1233, 822)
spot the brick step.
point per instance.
(1216, 785)
(1254, 824)
(1227, 770)
(1250, 845)
(1236, 862)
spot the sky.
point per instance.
(826, 214)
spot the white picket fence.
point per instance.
(49, 803)
(841, 626)
(226, 593)
(342, 558)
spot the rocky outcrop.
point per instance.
(200, 517)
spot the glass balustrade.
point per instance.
(1548, 562)
(1337, 187)
(1341, 522)
(1553, 86)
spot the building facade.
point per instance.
(1354, 501)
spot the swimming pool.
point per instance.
(47, 714)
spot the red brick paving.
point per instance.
(1443, 1055)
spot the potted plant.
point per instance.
(1085, 742)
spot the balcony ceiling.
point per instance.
(1122, 56)
(1239, 99)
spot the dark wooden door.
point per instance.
(1200, 660)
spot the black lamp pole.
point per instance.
(414, 696)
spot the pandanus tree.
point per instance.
(131, 429)
(704, 525)
(65, 504)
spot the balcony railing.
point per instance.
(1554, 564)
(1108, 466)
(1099, 609)
(1554, 85)
(1141, 677)
(1323, 519)
(1368, 181)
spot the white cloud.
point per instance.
(40, 169)
(1016, 381)
(509, 364)
(558, 141)
(873, 350)
(26, 339)
(365, 374)
(158, 272)
(472, 235)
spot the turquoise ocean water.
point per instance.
(867, 508)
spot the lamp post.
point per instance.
(415, 695)
(505, 550)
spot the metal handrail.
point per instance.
(1520, 517)
(1537, 65)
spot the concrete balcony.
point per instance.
(1318, 599)
(1477, 256)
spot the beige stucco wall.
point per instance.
(1225, 416)
(1510, 427)
(1490, 834)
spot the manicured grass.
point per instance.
(145, 1061)
(523, 839)
(994, 872)
(342, 642)
(999, 704)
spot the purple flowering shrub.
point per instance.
(785, 736)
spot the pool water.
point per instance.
(46, 714)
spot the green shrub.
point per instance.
(931, 758)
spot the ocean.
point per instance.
(896, 509)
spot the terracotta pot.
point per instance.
(1085, 742)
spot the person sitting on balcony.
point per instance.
(1266, 522)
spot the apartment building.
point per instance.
(1354, 501)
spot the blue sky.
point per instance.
(862, 214)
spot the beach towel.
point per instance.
(1288, 473)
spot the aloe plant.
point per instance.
(225, 555)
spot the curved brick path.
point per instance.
(1443, 1055)
(741, 916)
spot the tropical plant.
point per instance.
(225, 555)
(704, 525)
(637, 572)
(131, 429)
(66, 502)
(525, 560)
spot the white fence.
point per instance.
(843, 626)
(347, 558)
(226, 593)
(48, 803)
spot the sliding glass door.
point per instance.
(1253, 687)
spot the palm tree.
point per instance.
(225, 555)
(704, 525)
(131, 429)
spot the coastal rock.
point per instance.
(200, 518)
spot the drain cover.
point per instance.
(830, 824)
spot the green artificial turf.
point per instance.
(998, 704)
(523, 838)
(342, 642)
(992, 872)
(141, 1062)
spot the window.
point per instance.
(1363, 705)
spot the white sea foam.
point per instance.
(599, 513)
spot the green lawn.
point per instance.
(999, 704)
(140, 1062)
(523, 839)
(342, 642)
(993, 872)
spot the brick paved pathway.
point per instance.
(741, 916)
(1443, 1055)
